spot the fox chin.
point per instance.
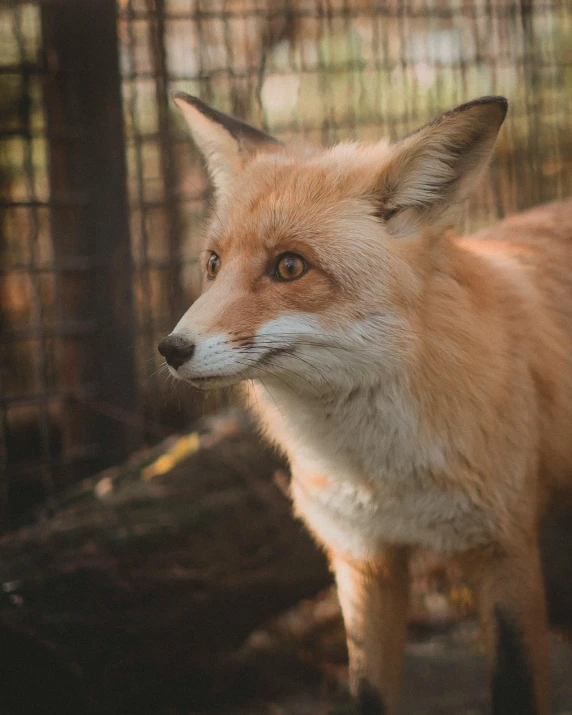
(420, 384)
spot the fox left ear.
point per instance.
(430, 172)
(225, 142)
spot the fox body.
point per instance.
(419, 384)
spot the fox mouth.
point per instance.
(210, 381)
(205, 380)
(247, 373)
(204, 383)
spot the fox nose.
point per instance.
(176, 350)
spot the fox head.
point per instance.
(316, 259)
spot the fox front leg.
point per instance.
(374, 599)
(513, 615)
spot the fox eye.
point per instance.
(213, 266)
(290, 266)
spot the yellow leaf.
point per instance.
(182, 448)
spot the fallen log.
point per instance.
(139, 580)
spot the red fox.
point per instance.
(419, 384)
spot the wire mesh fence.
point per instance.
(103, 197)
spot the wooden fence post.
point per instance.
(90, 215)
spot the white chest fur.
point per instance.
(365, 474)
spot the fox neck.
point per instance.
(371, 428)
(355, 419)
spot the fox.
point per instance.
(418, 382)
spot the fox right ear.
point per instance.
(430, 172)
(225, 142)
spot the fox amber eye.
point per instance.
(290, 266)
(213, 265)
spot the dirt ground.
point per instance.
(299, 660)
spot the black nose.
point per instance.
(176, 350)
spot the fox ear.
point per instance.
(225, 142)
(430, 172)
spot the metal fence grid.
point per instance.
(27, 283)
(323, 70)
